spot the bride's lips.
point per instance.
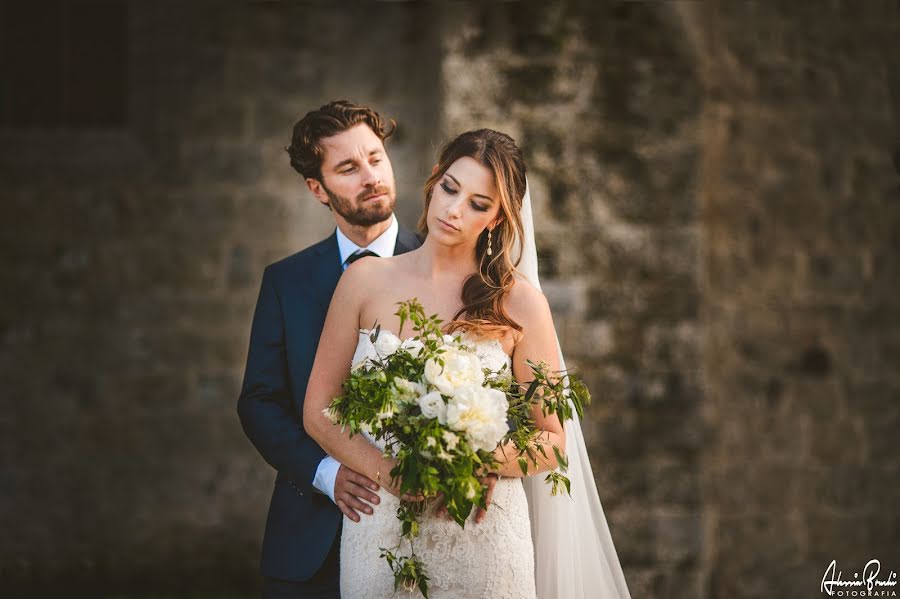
(448, 226)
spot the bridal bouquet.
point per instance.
(441, 412)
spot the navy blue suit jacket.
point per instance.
(288, 321)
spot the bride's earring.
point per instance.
(490, 251)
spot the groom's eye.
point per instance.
(446, 188)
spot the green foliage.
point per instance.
(409, 572)
(431, 459)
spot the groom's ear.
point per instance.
(318, 190)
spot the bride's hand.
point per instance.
(488, 481)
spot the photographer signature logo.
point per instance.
(865, 585)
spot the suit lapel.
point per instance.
(406, 241)
(326, 270)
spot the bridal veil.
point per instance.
(574, 553)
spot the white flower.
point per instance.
(494, 361)
(331, 414)
(443, 455)
(364, 356)
(481, 414)
(431, 442)
(460, 369)
(450, 439)
(434, 406)
(385, 413)
(413, 346)
(449, 340)
(365, 427)
(386, 343)
(408, 390)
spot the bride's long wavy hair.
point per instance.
(483, 292)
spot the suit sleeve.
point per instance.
(265, 405)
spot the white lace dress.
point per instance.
(490, 560)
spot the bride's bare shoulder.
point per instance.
(527, 305)
(373, 271)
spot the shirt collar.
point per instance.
(383, 245)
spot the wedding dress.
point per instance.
(493, 559)
(568, 553)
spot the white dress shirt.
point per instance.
(383, 245)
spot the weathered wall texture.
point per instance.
(130, 267)
(719, 226)
(800, 207)
(606, 104)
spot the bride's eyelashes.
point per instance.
(453, 192)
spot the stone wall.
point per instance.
(605, 102)
(800, 206)
(718, 225)
(130, 268)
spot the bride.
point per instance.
(528, 544)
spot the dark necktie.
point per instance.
(354, 257)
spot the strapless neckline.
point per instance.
(489, 351)
(465, 337)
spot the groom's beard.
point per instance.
(360, 213)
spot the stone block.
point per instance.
(567, 298)
(678, 538)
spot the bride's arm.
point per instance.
(331, 367)
(528, 306)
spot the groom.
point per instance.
(339, 150)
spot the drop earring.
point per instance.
(490, 251)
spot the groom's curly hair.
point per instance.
(306, 150)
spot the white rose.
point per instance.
(433, 371)
(386, 344)
(433, 406)
(481, 414)
(460, 369)
(413, 346)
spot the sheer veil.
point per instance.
(574, 553)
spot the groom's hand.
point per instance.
(352, 490)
